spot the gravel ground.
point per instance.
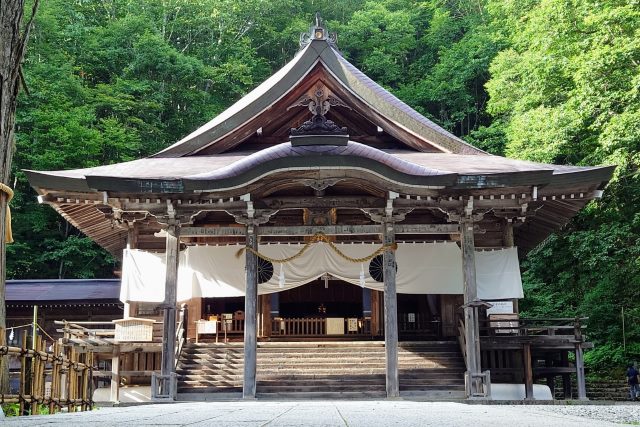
(624, 414)
(348, 413)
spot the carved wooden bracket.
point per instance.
(320, 184)
(381, 215)
(259, 217)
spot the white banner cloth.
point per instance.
(423, 268)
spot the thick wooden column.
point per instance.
(471, 329)
(169, 317)
(250, 317)
(390, 312)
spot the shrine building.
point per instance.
(318, 214)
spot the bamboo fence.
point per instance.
(68, 372)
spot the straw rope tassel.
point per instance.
(8, 235)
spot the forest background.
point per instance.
(554, 81)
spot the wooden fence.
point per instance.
(56, 377)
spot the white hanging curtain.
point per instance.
(217, 271)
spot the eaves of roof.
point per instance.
(62, 290)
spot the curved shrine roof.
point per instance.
(230, 156)
(396, 113)
(442, 169)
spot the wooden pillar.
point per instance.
(551, 379)
(471, 327)
(250, 316)
(195, 313)
(509, 243)
(390, 312)
(265, 304)
(169, 315)
(376, 313)
(566, 378)
(582, 387)
(115, 375)
(132, 243)
(528, 372)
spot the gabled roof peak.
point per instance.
(318, 31)
(371, 107)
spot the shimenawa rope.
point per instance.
(319, 237)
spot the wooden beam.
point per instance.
(330, 230)
(250, 317)
(193, 203)
(390, 313)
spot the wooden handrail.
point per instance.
(180, 334)
(462, 342)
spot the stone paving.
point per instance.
(350, 413)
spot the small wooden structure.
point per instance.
(132, 329)
(133, 346)
(321, 148)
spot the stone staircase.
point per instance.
(433, 369)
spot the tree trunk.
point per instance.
(13, 41)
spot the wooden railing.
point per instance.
(68, 373)
(417, 323)
(298, 326)
(506, 326)
(233, 326)
(317, 326)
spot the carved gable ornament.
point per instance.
(319, 130)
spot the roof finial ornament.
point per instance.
(318, 32)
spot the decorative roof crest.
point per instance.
(319, 124)
(318, 32)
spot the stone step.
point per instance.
(317, 370)
(342, 365)
(320, 357)
(209, 389)
(324, 343)
(370, 394)
(313, 369)
(321, 379)
(239, 351)
(313, 376)
(332, 352)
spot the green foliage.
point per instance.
(566, 91)
(11, 409)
